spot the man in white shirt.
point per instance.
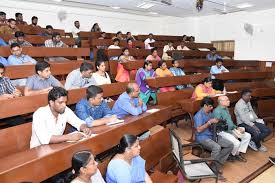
(218, 68)
(148, 41)
(75, 30)
(49, 122)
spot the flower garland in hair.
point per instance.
(199, 5)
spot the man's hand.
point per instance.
(74, 136)
(17, 93)
(213, 121)
(85, 130)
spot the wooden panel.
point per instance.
(244, 75)
(266, 108)
(48, 52)
(27, 29)
(196, 53)
(239, 86)
(170, 98)
(138, 53)
(48, 160)
(264, 92)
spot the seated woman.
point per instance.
(122, 74)
(96, 28)
(84, 169)
(127, 166)
(163, 71)
(154, 55)
(177, 71)
(205, 90)
(115, 45)
(118, 36)
(130, 43)
(100, 77)
(168, 47)
(142, 74)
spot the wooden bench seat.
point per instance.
(137, 53)
(200, 54)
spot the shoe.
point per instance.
(221, 178)
(272, 160)
(240, 158)
(262, 148)
(252, 145)
(231, 158)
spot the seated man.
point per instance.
(10, 28)
(49, 122)
(148, 41)
(115, 45)
(19, 19)
(42, 81)
(3, 19)
(7, 89)
(247, 118)
(129, 102)
(17, 58)
(55, 42)
(218, 68)
(93, 109)
(220, 148)
(19, 39)
(213, 56)
(80, 78)
(48, 31)
(177, 71)
(233, 133)
(34, 22)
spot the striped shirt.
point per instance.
(6, 87)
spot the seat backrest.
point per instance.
(266, 108)
(15, 139)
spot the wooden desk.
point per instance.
(94, 35)
(29, 104)
(244, 75)
(135, 65)
(49, 52)
(48, 160)
(159, 38)
(27, 29)
(108, 42)
(263, 92)
(38, 40)
(137, 53)
(159, 44)
(176, 80)
(201, 54)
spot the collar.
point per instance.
(40, 78)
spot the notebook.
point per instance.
(85, 136)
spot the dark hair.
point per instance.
(34, 17)
(2, 66)
(41, 66)
(49, 27)
(119, 32)
(98, 63)
(129, 39)
(150, 34)
(129, 88)
(128, 33)
(146, 62)
(56, 93)
(207, 101)
(94, 25)
(153, 49)
(219, 60)
(245, 91)
(126, 141)
(103, 33)
(19, 34)
(85, 66)
(15, 45)
(184, 36)
(116, 40)
(124, 49)
(92, 91)
(76, 21)
(11, 20)
(2, 13)
(213, 49)
(161, 62)
(173, 61)
(206, 80)
(17, 14)
(80, 159)
(55, 34)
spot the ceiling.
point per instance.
(179, 8)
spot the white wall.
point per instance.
(230, 27)
(108, 21)
(205, 29)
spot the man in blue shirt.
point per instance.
(93, 109)
(218, 68)
(17, 58)
(3, 43)
(213, 56)
(220, 148)
(129, 102)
